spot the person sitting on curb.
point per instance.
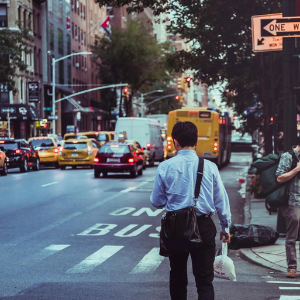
(291, 211)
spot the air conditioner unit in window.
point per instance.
(82, 14)
(76, 37)
(77, 65)
(82, 42)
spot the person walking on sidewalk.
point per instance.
(173, 189)
(291, 211)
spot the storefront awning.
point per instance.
(21, 112)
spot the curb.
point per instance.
(248, 255)
(247, 207)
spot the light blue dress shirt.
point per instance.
(174, 187)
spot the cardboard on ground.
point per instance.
(261, 44)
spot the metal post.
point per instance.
(8, 124)
(53, 95)
(142, 105)
(273, 104)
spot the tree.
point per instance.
(220, 32)
(13, 44)
(132, 56)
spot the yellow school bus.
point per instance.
(214, 132)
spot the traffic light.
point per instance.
(271, 119)
(126, 92)
(177, 97)
(45, 125)
(188, 81)
(180, 83)
(233, 117)
(181, 100)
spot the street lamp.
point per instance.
(142, 99)
(53, 83)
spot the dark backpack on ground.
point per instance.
(276, 194)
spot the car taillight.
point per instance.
(169, 143)
(148, 146)
(18, 151)
(216, 146)
(96, 160)
(55, 150)
(130, 160)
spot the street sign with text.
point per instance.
(283, 27)
(262, 43)
(52, 117)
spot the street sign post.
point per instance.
(262, 43)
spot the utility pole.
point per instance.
(289, 102)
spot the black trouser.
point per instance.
(202, 261)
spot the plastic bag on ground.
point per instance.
(250, 235)
(223, 265)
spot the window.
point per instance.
(73, 58)
(60, 12)
(69, 74)
(40, 62)
(19, 16)
(3, 15)
(24, 19)
(4, 94)
(29, 22)
(68, 44)
(61, 72)
(81, 36)
(78, 34)
(84, 38)
(50, 8)
(60, 41)
(38, 25)
(51, 36)
(72, 30)
(75, 31)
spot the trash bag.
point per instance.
(249, 235)
(223, 265)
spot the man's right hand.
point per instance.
(225, 237)
(298, 166)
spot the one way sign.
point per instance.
(284, 27)
(260, 42)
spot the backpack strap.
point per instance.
(295, 160)
(199, 179)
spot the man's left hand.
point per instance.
(225, 237)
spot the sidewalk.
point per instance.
(273, 256)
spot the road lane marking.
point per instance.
(117, 195)
(149, 263)
(128, 190)
(17, 175)
(289, 297)
(89, 173)
(55, 182)
(95, 259)
(289, 288)
(49, 227)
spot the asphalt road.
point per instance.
(65, 235)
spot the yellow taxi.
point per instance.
(101, 137)
(47, 149)
(3, 163)
(78, 152)
(139, 150)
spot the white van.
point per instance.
(144, 131)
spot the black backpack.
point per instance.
(276, 194)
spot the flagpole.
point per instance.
(101, 20)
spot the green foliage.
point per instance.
(132, 56)
(12, 44)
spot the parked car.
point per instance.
(47, 149)
(20, 154)
(140, 151)
(146, 132)
(78, 153)
(3, 163)
(118, 157)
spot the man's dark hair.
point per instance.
(185, 133)
(298, 140)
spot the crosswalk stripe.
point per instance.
(289, 288)
(95, 259)
(46, 252)
(149, 262)
(283, 297)
(284, 282)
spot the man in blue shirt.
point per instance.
(174, 188)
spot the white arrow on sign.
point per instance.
(275, 27)
(53, 117)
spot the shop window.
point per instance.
(60, 41)
(51, 36)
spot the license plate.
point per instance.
(74, 154)
(113, 160)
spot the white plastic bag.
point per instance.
(223, 266)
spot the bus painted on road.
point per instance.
(214, 132)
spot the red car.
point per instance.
(118, 157)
